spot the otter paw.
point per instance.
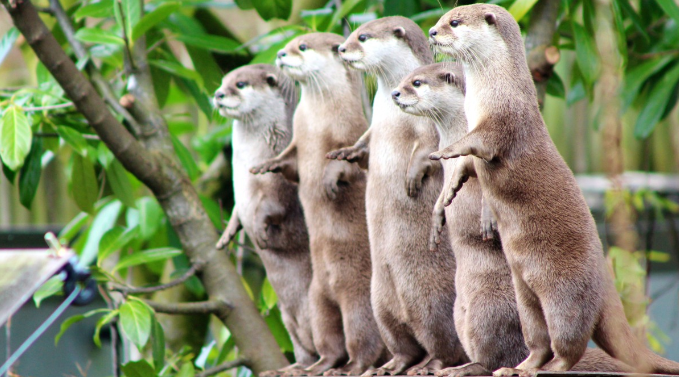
(376, 372)
(470, 369)
(270, 166)
(270, 373)
(350, 154)
(509, 372)
(424, 371)
(335, 372)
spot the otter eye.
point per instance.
(362, 37)
(241, 84)
(417, 83)
(454, 23)
(302, 47)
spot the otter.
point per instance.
(261, 100)
(564, 289)
(329, 115)
(486, 316)
(413, 291)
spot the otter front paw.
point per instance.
(351, 154)
(488, 223)
(438, 221)
(269, 166)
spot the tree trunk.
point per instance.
(154, 165)
(541, 54)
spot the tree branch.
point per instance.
(222, 367)
(218, 308)
(54, 134)
(127, 290)
(541, 54)
(50, 107)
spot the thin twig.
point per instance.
(127, 290)
(54, 134)
(46, 10)
(222, 367)
(114, 331)
(50, 107)
(219, 308)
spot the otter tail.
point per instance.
(614, 335)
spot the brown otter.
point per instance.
(413, 290)
(332, 193)
(486, 316)
(260, 99)
(564, 290)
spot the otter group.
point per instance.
(387, 261)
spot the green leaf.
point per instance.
(147, 256)
(186, 370)
(152, 19)
(210, 42)
(177, 70)
(150, 216)
(269, 297)
(98, 36)
(636, 20)
(520, 8)
(84, 183)
(103, 221)
(185, 158)
(658, 256)
(100, 323)
(135, 321)
(555, 86)
(229, 345)
(140, 368)
(201, 98)
(101, 9)
(161, 85)
(620, 27)
(344, 10)
(50, 288)
(158, 345)
(7, 42)
(66, 324)
(275, 323)
(656, 103)
(9, 174)
(115, 239)
(74, 226)
(637, 76)
(15, 137)
(74, 138)
(576, 93)
(132, 13)
(120, 183)
(670, 8)
(586, 54)
(404, 8)
(29, 177)
(269, 9)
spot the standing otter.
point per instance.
(486, 316)
(413, 290)
(261, 101)
(564, 290)
(332, 193)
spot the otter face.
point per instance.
(247, 89)
(431, 89)
(467, 32)
(309, 55)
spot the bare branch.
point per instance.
(50, 107)
(220, 368)
(54, 134)
(127, 290)
(45, 10)
(218, 308)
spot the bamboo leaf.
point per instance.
(29, 177)
(7, 42)
(185, 158)
(152, 19)
(520, 8)
(269, 9)
(131, 13)
(177, 70)
(84, 183)
(135, 321)
(269, 297)
(555, 86)
(98, 36)
(147, 256)
(186, 371)
(50, 288)
(210, 42)
(15, 137)
(656, 104)
(670, 8)
(637, 76)
(74, 138)
(101, 9)
(158, 345)
(74, 226)
(120, 183)
(586, 54)
(66, 324)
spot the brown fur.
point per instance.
(268, 207)
(413, 290)
(564, 289)
(486, 315)
(333, 197)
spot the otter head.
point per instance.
(473, 33)
(431, 90)
(249, 88)
(312, 58)
(385, 42)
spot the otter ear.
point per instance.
(448, 77)
(491, 19)
(271, 80)
(399, 32)
(335, 47)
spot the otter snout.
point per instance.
(395, 94)
(281, 53)
(433, 32)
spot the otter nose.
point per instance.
(341, 48)
(432, 32)
(219, 94)
(281, 54)
(395, 94)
